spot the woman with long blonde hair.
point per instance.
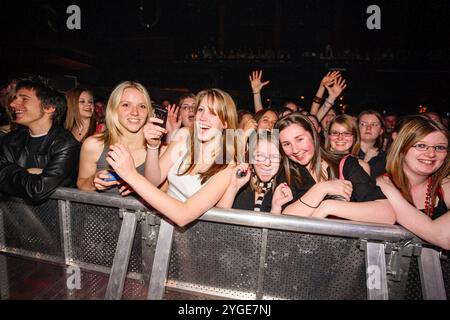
(128, 109)
(417, 181)
(197, 167)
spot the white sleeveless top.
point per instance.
(184, 186)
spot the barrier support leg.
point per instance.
(161, 261)
(431, 277)
(121, 257)
(376, 272)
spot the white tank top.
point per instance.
(182, 187)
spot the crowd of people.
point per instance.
(206, 153)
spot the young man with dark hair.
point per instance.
(40, 155)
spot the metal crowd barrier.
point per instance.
(225, 254)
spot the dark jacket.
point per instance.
(58, 156)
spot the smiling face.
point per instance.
(266, 160)
(208, 123)
(341, 138)
(297, 144)
(187, 112)
(267, 121)
(27, 109)
(86, 104)
(427, 162)
(133, 110)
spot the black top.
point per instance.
(34, 144)
(364, 188)
(245, 199)
(377, 164)
(439, 210)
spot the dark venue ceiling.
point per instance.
(163, 43)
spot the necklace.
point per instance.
(429, 207)
(80, 130)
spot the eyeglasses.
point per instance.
(424, 147)
(274, 158)
(345, 134)
(372, 124)
(189, 108)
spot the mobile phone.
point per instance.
(112, 177)
(241, 173)
(161, 113)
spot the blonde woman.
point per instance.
(417, 181)
(197, 167)
(80, 120)
(343, 138)
(126, 114)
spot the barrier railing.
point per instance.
(225, 254)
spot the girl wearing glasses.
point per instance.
(417, 182)
(312, 174)
(371, 128)
(344, 138)
(253, 187)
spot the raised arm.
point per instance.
(434, 231)
(334, 90)
(257, 85)
(156, 166)
(235, 184)
(179, 212)
(318, 100)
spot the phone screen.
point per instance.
(161, 113)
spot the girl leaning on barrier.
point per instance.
(312, 173)
(254, 186)
(126, 114)
(197, 167)
(417, 182)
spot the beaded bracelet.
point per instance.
(154, 148)
(318, 100)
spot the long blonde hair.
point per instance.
(413, 131)
(219, 102)
(73, 117)
(113, 126)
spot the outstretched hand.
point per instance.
(329, 78)
(120, 159)
(336, 87)
(255, 81)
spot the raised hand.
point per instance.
(255, 81)
(154, 132)
(173, 120)
(237, 181)
(336, 87)
(329, 78)
(281, 196)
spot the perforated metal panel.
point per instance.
(302, 266)
(216, 259)
(94, 234)
(33, 228)
(413, 290)
(446, 273)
